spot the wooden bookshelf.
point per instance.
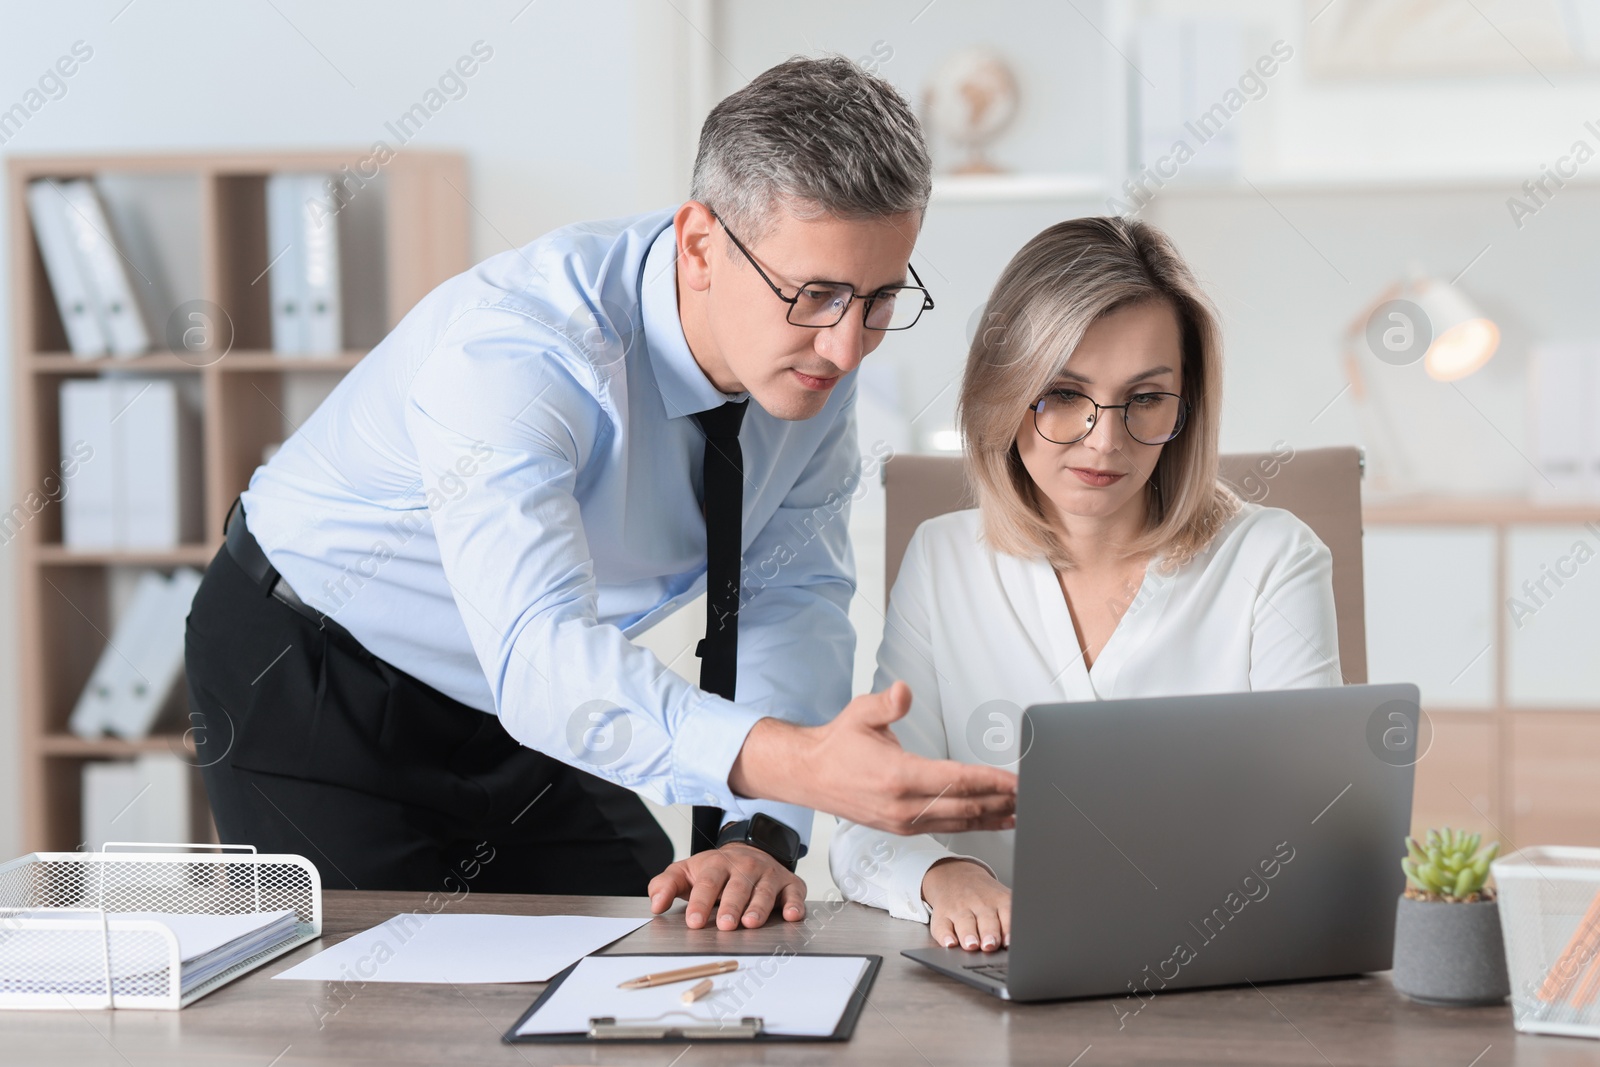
(1519, 771)
(418, 217)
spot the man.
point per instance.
(544, 458)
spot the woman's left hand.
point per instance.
(970, 907)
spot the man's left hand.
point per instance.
(745, 880)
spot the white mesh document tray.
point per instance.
(1550, 917)
(68, 940)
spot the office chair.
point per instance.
(1320, 486)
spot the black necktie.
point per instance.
(723, 479)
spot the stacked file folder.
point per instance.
(142, 662)
(303, 239)
(141, 799)
(88, 275)
(1566, 438)
(136, 481)
(99, 299)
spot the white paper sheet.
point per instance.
(804, 996)
(426, 947)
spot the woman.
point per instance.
(1104, 560)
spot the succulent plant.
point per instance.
(1448, 866)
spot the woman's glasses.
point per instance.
(1064, 417)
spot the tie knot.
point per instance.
(722, 422)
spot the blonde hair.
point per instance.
(1056, 285)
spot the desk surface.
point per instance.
(913, 1016)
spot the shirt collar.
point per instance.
(685, 389)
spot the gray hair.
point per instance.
(814, 137)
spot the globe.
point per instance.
(970, 100)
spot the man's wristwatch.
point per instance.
(777, 840)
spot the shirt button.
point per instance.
(711, 798)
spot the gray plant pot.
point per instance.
(1450, 954)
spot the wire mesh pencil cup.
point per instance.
(1550, 916)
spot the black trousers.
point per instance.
(310, 744)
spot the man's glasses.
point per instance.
(1064, 417)
(821, 304)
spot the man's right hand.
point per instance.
(854, 767)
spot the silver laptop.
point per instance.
(1177, 842)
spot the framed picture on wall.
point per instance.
(1449, 38)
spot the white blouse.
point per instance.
(978, 636)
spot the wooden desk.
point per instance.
(913, 1017)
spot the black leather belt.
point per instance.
(247, 553)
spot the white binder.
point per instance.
(1563, 383)
(141, 663)
(142, 799)
(94, 710)
(149, 661)
(117, 673)
(68, 284)
(140, 486)
(155, 441)
(319, 226)
(286, 251)
(89, 508)
(121, 315)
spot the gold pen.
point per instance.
(696, 991)
(682, 974)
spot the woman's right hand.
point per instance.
(970, 907)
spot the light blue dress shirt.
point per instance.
(508, 487)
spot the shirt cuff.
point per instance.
(905, 888)
(704, 746)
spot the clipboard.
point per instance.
(611, 1030)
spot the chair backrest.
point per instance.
(1321, 486)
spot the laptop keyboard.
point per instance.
(997, 971)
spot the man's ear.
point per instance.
(694, 225)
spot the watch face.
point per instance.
(775, 838)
